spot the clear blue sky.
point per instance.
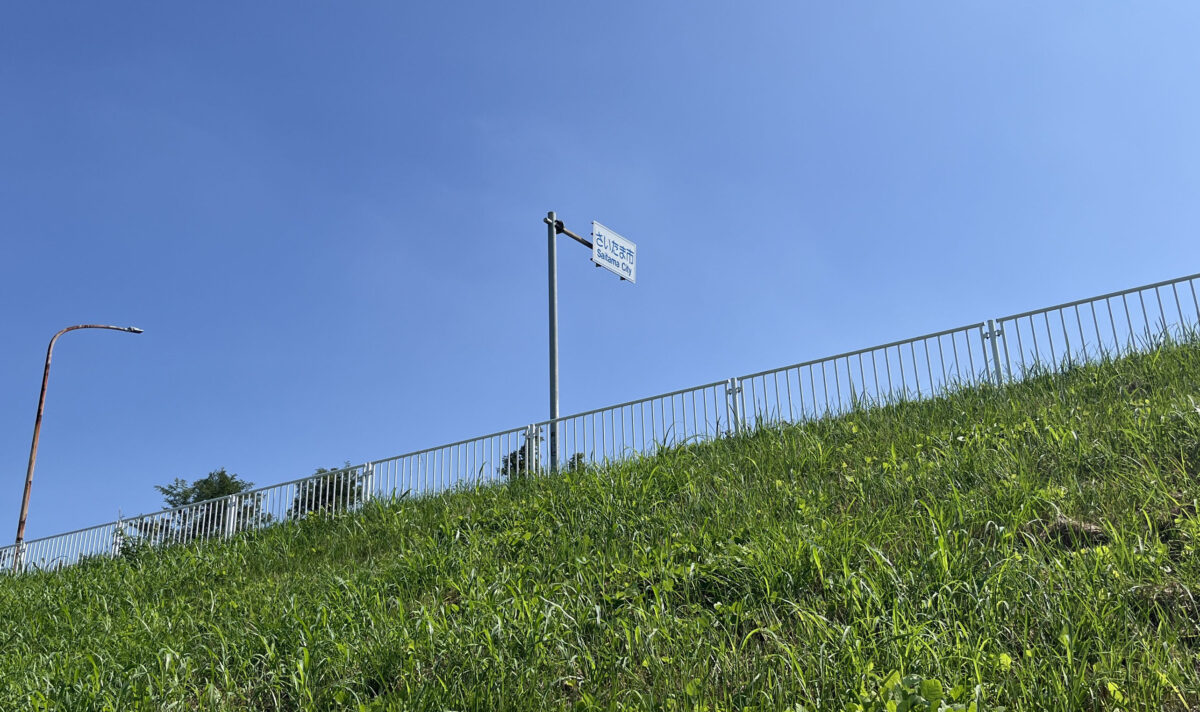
(327, 216)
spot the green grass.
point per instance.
(886, 554)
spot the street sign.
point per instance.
(614, 253)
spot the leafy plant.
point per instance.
(912, 693)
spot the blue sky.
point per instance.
(327, 216)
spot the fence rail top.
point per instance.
(414, 453)
(174, 510)
(626, 404)
(869, 349)
(82, 530)
(1110, 295)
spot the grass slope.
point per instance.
(1031, 547)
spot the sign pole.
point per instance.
(552, 252)
(609, 250)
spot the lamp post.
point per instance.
(37, 427)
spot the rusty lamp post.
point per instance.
(37, 426)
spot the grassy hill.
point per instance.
(1032, 547)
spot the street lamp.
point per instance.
(37, 427)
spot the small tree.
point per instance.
(336, 488)
(217, 484)
(215, 518)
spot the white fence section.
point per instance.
(993, 351)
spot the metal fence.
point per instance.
(995, 351)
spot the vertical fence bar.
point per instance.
(732, 389)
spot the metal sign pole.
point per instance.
(619, 256)
(552, 252)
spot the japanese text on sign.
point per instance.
(614, 253)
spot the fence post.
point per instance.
(368, 488)
(733, 391)
(231, 508)
(994, 335)
(530, 449)
(118, 536)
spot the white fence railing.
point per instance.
(994, 351)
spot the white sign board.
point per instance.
(614, 253)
